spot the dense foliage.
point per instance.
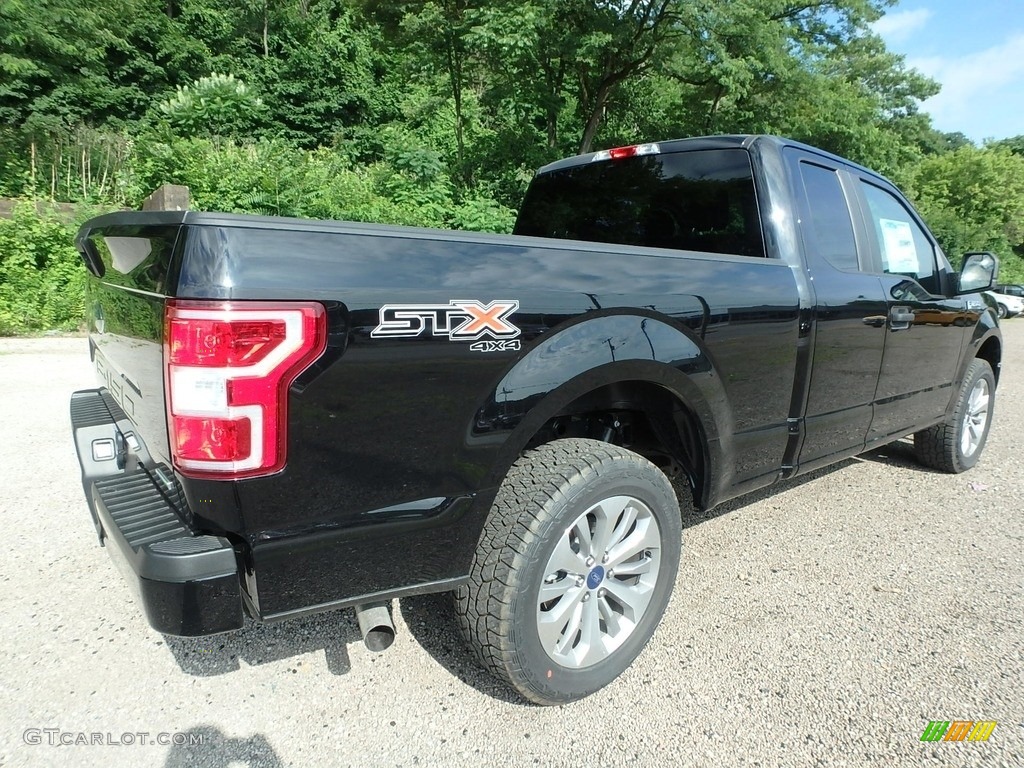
(436, 113)
(973, 199)
(41, 276)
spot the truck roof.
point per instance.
(725, 141)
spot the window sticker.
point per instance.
(898, 244)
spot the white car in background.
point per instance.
(1007, 305)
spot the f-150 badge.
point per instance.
(459, 320)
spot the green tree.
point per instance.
(316, 72)
(813, 71)
(43, 69)
(973, 199)
(319, 72)
(578, 53)
(931, 141)
(1015, 144)
(63, 63)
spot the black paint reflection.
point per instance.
(580, 348)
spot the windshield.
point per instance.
(699, 200)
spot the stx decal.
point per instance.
(459, 320)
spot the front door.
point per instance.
(924, 327)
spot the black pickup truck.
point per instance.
(297, 416)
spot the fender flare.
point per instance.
(612, 347)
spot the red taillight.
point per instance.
(228, 369)
(200, 439)
(221, 344)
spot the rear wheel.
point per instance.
(1003, 311)
(574, 569)
(956, 444)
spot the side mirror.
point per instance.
(978, 272)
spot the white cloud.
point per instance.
(978, 89)
(899, 26)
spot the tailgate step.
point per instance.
(188, 582)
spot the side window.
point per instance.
(830, 223)
(904, 247)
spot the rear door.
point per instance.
(849, 314)
(925, 324)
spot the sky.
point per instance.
(975, 50)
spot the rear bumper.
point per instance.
(187, 583)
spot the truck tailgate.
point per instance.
(132, 269)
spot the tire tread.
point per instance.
(938, 447)
(527, 500)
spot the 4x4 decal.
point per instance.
(459, 320)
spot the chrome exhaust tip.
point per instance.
(375, 626)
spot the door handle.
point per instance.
(900, 318)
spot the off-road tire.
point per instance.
(539, 503)
(942, 446)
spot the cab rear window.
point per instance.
(698, 200)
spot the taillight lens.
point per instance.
(228, 367)
(621, 153)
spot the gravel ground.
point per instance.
(823, 623)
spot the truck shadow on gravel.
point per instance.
(432, 623)
(692, 516)
(899, 454)
(257, 644)
(431, 620)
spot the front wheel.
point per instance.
(1002, 311)
(956, 444)
(573, 571)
